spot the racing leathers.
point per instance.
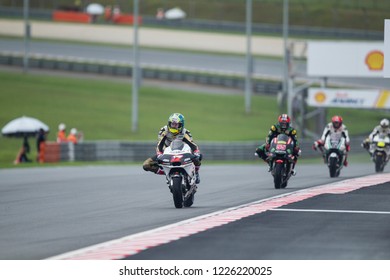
(275, 130)
(165, 138)
(330, 129)
(376, 131)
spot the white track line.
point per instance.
(331, 211)
(135, 243)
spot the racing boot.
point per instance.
(345, 160)
(197, 177)
(293, 171)
(269, 165)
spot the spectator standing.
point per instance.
(61, 135)
(41, 139)
(22, 154)
(72, 137)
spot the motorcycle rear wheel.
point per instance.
(177, 192)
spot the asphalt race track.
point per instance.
(46, 212)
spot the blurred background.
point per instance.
(170, 73)
(305, 16)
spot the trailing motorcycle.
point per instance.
(281, 159)
(380, 151)
(333, 153)
(177, 162)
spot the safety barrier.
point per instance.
(127, 151)
(219, 79)
(69, 16)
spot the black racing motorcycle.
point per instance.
(281, 159)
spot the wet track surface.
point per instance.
(50, 211)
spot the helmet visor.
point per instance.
(174, 127)
(283, 125)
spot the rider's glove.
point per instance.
(297, 151)
(197, 153)
(348, 147)
(317, 144)
(159, 155)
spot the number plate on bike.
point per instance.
(281, 147)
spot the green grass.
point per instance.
(101, 108)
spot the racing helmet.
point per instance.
(284, 121)
(337, 121)
(176, 123)
(384, 123)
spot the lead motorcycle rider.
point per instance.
(335, 126)
(174, 130)
(382, 128)
(283, 126)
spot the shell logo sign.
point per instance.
(374, 60)
(320, 97)
(349, 98)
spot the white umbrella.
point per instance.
(23, 126)
(175, 13)
(95, 9)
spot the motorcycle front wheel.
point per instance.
(278, 175)
(379, 163)
(333, 167)
(177, 192)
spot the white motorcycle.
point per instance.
(334, 153)
(380, 151)
(177, 162)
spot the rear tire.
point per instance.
(278, 175)
(177, 192)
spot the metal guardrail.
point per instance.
(126, 151)
(166, 74)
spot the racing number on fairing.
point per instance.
(281, 147)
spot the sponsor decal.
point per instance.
(345, 98)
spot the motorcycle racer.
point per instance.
(382, 128)
(335, 126)
(283, 126)
(173, 130)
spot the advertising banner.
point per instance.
(349, 98)
(386, 69)
(345, 59)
